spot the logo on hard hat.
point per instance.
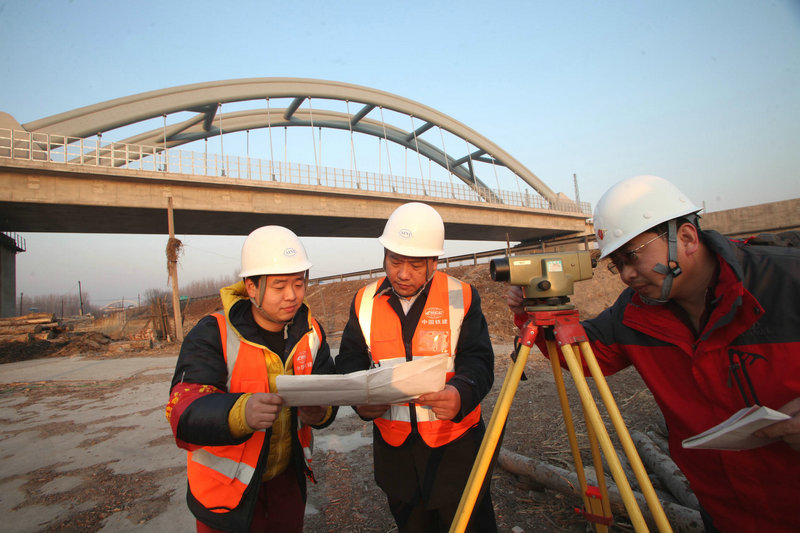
(601, 233)
(290, 252)
(405, 233)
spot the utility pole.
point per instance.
(173, 247)
(80, 296)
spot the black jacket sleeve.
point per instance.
(204, 422)
(353, 352)
(200, 359)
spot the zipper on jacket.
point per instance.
(733, 374)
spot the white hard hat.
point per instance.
(635, 205)
(414, 230)
(273, 250)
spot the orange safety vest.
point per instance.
(219, 475)
(436, 333)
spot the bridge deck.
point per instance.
(68, 198)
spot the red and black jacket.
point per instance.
(748, 353)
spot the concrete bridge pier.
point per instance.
(10, 245)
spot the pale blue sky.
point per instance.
(704, 93)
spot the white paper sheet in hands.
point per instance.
(736, 433)
(382, 385)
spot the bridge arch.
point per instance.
(204, 99)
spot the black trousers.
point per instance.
(424, 485)
(416, 518)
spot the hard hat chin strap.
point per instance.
(671, 270)
(262, 289)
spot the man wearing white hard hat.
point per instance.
(713, 326)
(423, 450)
(248, 455)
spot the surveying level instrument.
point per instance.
(547, 281)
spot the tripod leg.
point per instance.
(566, 412)
(596, 506)
(490, 439)
(625, 439)
(600, 504)
(593, 417)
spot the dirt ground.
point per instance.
(346, 498)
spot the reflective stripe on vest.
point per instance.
(219, 475)
(365, 311)
(302, 363)
(231, 469)
(230, 343)
(437, 332)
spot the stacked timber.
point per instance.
(33, 326)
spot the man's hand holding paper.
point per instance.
(370, 412)
(788, 430)
(312, 415)
(262, 409)
(445, 403)
(377, 387)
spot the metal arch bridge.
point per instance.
(66, 138)
(205, 99)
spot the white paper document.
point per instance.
(398, 383)
(736, 433)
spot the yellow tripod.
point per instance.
(566, 332)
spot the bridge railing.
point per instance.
(474, 258)
(12, 240)
(61, 149)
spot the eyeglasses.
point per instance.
(630, 258)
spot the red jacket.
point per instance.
(748, 353)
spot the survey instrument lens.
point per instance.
(499, 269)
(546, 279)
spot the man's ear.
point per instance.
(250, 287)
(689, 238)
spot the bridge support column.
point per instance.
(10, 246)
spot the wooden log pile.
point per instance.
(33, 326)
(672, 488)
(681, 518)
